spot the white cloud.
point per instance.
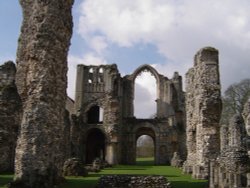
(177, 28)
(145, 95)
(98, 44)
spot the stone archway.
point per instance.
(95, 145)
(149, 132)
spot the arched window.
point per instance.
(145, 95)
(95, 115)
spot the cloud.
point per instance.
(177, 28)
(98, 44)
(145, 95)
(167, 24)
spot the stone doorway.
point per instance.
(95, 147)
(145, 143)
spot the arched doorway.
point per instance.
(145, 146)
(95, 147)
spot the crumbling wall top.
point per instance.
(7, 73)
(206, 54)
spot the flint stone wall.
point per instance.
(203, 109)
(246, 116)
(10, 107)
(231, 169)
(41, 81)
(130, 181)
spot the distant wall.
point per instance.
(10, 106)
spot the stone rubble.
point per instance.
(131, 181)
(176, 160)
(74, 167)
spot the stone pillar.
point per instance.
(79, 89)
(236, 131)
(111, 152)
(223, 137)
(41, 81)
(248, 179)
(246, 116)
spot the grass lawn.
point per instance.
(144, 167)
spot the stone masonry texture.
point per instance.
(231, 168)
(41, 81)
(10, 106)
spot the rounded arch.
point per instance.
(95, 145)
(145, 147)
(145, 131)
(146, 124)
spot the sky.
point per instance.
(163, 33)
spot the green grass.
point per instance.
(4, 179)
(143, 167)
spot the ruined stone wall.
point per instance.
(231, 168)
(102, 87)
(246, 116)
(164, 135)
(203, 109)
(169, 123)
(10, 108)
(170, 96)
(98, 93)
(41, 81)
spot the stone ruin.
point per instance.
(203, 110)
(33, 101)
(102, 92)
(41, 82)
(232, 167)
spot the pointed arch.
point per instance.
(155, 76)
(148, 68)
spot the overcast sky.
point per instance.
(163, 33)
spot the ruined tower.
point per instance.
(41, 81)
(203, 109)
(98, 108)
